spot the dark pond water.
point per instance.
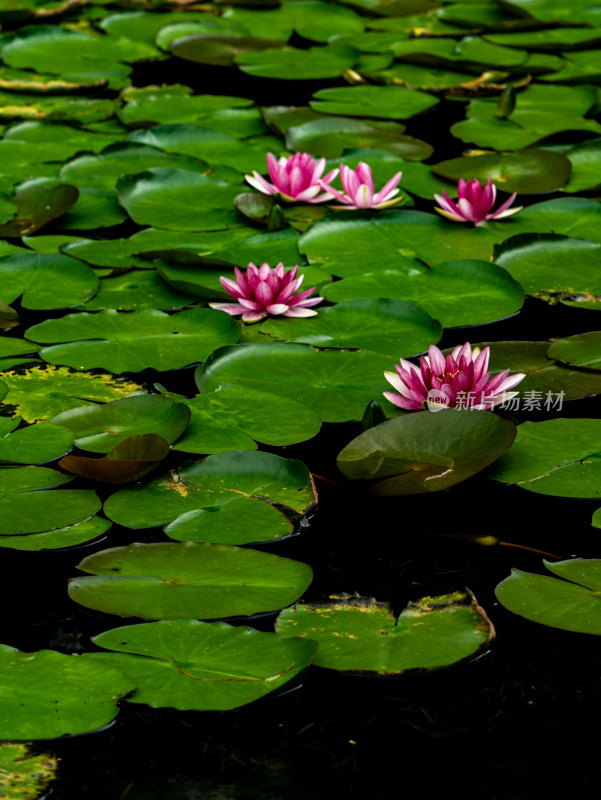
(519, 722)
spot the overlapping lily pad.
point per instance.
(188, 580)
(130, 342)
(583, 350)
(384, 102)
(572, 604)
(45, 281)
(289, 63)
(40, 511)
(40, 393)
(426, 451)
(187, 664)
(58, 538)
(357, 634)
(35, 444)
(557, 457)
(49, 694)
(233, 497)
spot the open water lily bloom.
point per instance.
(474, 203)
(263, 291)
(296, 179)
(359, 191)
(460, 380)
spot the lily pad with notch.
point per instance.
(202, 666)
(359, 635)
(426, 451)
(46, 281)
(582, 351)
(39, 202)
(385, 102)
(59, 538)
(289, 63)
(188, 580)
(35, 444)
(572, 604)
(236, 497)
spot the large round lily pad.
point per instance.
(289, 63)
(426, 451)
(387, 102)
(187, 664)
(188, 580)
(357, 634)
(39, 511)
(233, 498)
(45, 281)
(35, 444)
(130, 342)
(558, 457)
(573, 604)
(48, 694)
(99, 428)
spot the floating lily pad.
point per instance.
(559, 457)
(40, 393)
(547, 382)
(178, 200)
(39, 511)
(59, 538)
(39, 203)
(188, 580)
(187, 664)
(130, 342)
(35, 444)
(530, 171)
(572, 604)
(457, 293)
(289, 63)
(176, 104)
(24, 775)
(552, 267)
(26, 479)
(233, 498)
(312, 19)
(136, 290)
(130, 460)
(219, 49)
(556, 11)
(49, 694)
(235, 418)
(100, 428)
(381, 325)
(583, 350)
(426, 451)
(586, 163)
(336, 384)
(357, 634)
(45, 281)
(386, 102)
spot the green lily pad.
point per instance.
(556, 11)
(530, 171)
(59, 538)
(312, 19)
(330, 136)
(289, 63)
(45, 281)
(425, 451)
(39, 511)
(38, 203)
(381, 325)
(547, 382)
(187, 664)
(10, 347)
(26, 479)
(586, 161)
(136, 290)
(35, 444)
(233, 498)
(143, 26)
(559, 457)
(357, 634)
(218, 49)
(235, 418)
(178, 200)
(100, 428)
(188, 580)
(386, 102)
(40, 393)
(354, 243)
(583, 350)
(336, 384)
(552, 267)
(130, 342)
(555, 39)
(176, 104)
(192, 24)
(457, 293)
(101, 171)
(23, 774)
(49, 694)
(571, 604)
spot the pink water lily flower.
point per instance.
(474, 203)
(460, 380)
(359, 190)
(262, 291)
(296, 179)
